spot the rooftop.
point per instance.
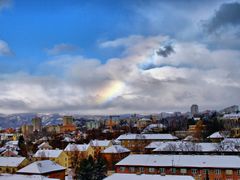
(118, 176)
(147, 136)
(51, 153)
(23, 177)
(116, 149)
(41, 167)
(11, 161)
(102, 143)
(207, 161)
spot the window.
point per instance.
(205, 171)
(173, 170)
(229, 172)
(122, 169)
(238, 172)
(132, 169)
(183, 171)
(217, 171)
(162, 170)
(194, 171)
(151, 170)
(141, 169)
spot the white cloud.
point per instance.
(5, 49)
(61, 48)
(193, 74)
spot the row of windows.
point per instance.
(182, 170)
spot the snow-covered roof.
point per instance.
(11, 161)
(116, 149)
(77, 147)
(231, 140)
(68, 139)
(231, 116)
(44, 145)
(216, 135)
(119, 176)
(23, 177)
(41, 167)
(147, 136)
(153, 145)
(186, 146)
(189, 138)
(101, 143)
(50, 153)
(153, 126)
(206, 161)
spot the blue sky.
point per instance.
(47, 39)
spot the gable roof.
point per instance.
(207, 161)
(50, 153)
(100, 143)
(41, 167)
(215, 135)
(11, 161)
(146, 136)
(77, 147)
(116, 149)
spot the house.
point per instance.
(114, 154)
(203, 166)
(23, 177)
(137, 142)
(56, 155)
(216, 137)
(9, 153)
(12, 164)
(154, 128)
(143, 122)
(46, 168)
(76, 152)
(118, 176)
(100, 145)
(44, 145)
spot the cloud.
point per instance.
(165, 51)
(5, 4)
(61, 48)
(227, 15)
(194, 74)
(4, 49)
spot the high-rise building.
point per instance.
(194, 109)
(27, 129)
(67, 120)
(229, 110)
(37, 124)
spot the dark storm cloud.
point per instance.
(165, 51)
(227, 14)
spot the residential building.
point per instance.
(76, 152)
(194, 109)
(45, 168)
(137, 142)
(27, 129)
(216, 137)
(230, 110)
(92, 124)
(114, 154)
(198, 166)
(100, 145)
(68, 125)
(58, 156)
(44, 145)
(37, 124)
(12, 164)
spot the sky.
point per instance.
(114, 57)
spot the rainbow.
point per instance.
(110, 91)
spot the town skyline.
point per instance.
(115, 58)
